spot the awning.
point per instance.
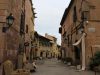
(78, 42)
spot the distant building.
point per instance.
(54, 45)
(42, 46)
(80, 31)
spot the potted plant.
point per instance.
(95, 61)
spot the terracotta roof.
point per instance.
(40, 36)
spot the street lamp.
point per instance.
(9, 21)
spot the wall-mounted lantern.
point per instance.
(9, 21)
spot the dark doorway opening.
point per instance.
(77, 55)
(41, 54)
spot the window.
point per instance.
(68, 39)
(26, 28)
(74, 15)
(22, 23)
(85, 15)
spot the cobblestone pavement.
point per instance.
(54, 67)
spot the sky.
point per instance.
(49, 15)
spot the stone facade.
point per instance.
(10, 39)
(82, 16)
(54, 45)
(29, 26)
(15, 39)
(42, 46)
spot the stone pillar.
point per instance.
(20, 61)
(7, 67)
(83, 52)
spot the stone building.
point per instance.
(16, 39)
(10, 37)
(42, 46)
(54, 45)
(29, 26)
(80, 31)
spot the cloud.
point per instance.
(49, 13)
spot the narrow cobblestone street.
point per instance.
(53, 67)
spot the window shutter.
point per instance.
(74, 15)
